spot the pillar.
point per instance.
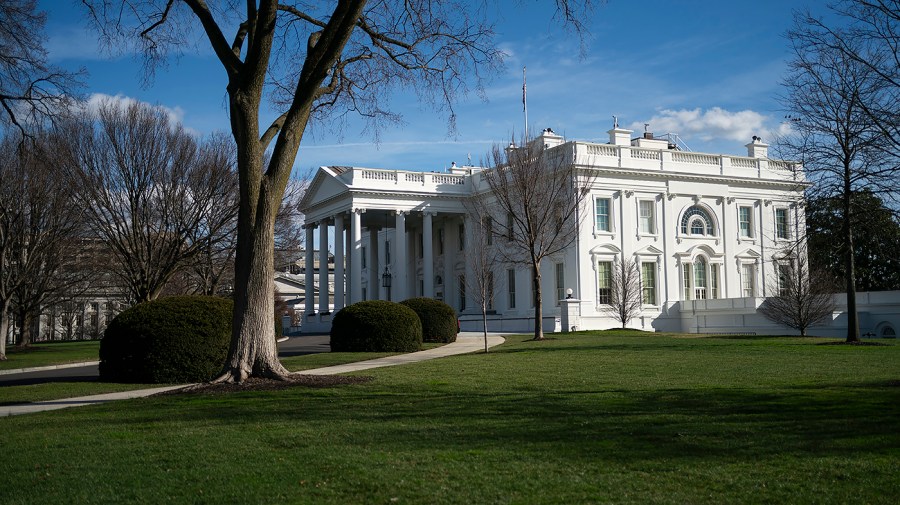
(308, 269)
(355, 259)
(323, 266)
(339, 262)
(427, 254)
(372, 260)
(399, 252)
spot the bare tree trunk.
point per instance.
(852, 316)
(4, 328)
(484, 324)
(538, 301)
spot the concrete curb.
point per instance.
(465, 343)
(48, 367)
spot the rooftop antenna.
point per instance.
(524, 101)
(646, 127)
(615, 122)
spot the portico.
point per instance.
(387, 245)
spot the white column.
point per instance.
(468, 243)
(398, 284)
(374, 279)
(355, 260)
(308, 268)
(450, 252)
(427, 255)
(323, 266)
(338, 262)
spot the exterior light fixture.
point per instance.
(386, 278)
(569, 294)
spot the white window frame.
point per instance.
(608, 287)
(652, 217)
(749, 222)
(787, 223)
(748, 280)
(653, 267)
(559, 273)
(609, 215)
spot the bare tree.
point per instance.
(624, 291)
(868, 33)
(152, 194)
(314, 61)
(30, 88)
(38, 223)
(830, 97)
(483, 256)
(805, 297)
(538, 195)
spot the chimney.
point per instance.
(757, 149)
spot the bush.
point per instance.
(376, 326)
(438, 319)
(174, 339)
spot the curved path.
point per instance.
(465, 343)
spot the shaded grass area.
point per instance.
(320, 360)
(576, 419)
(51, 353)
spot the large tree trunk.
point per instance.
(4, 328)
(538, 300)
(852, 317)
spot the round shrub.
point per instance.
(438, 319)
(174, 339)
(376, 326)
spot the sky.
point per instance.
(707, 70)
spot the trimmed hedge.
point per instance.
(376, 326)
(438, 319)
(174, 339)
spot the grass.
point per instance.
(51, 353)
(577, 419)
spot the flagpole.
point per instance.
(524, 102)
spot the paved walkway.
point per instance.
(466, 342)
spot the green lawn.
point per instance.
(576, 419)
(51, 353)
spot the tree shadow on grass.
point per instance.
(578, 426)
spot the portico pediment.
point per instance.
(605, 250)
(648, 251)
(325, 186)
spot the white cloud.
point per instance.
(714, 124)
(92, 104)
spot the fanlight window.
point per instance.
(696, 221)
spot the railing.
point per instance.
(602, 150)
(645, 154)
(415, 177)
(699, 159)
(448, 179)
(743, 162)
(379, 175)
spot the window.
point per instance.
(888, 332)
(420, 245)
(648, 283)
(362, 259)
(645, 211)
(560, 282)
(604, 282)
(784, 279)
(510, 223)
(603, 214)
(365, 295)
(489, 298)
(462, 291)
(511, 287)
(387, 252)
(696, 221)
(713, 281)
(488, 229)
(782, 230)
(421, 287)
(700, 279)
(748, 280)
(745, 222)
(461, 240)
(440, 241)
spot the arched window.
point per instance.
(696, 221)
(888, 332)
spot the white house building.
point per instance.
(700, 226)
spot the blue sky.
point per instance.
(707, 70)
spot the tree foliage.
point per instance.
(876, 242)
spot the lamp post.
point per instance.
(386, 278)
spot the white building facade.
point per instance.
(699, 226)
